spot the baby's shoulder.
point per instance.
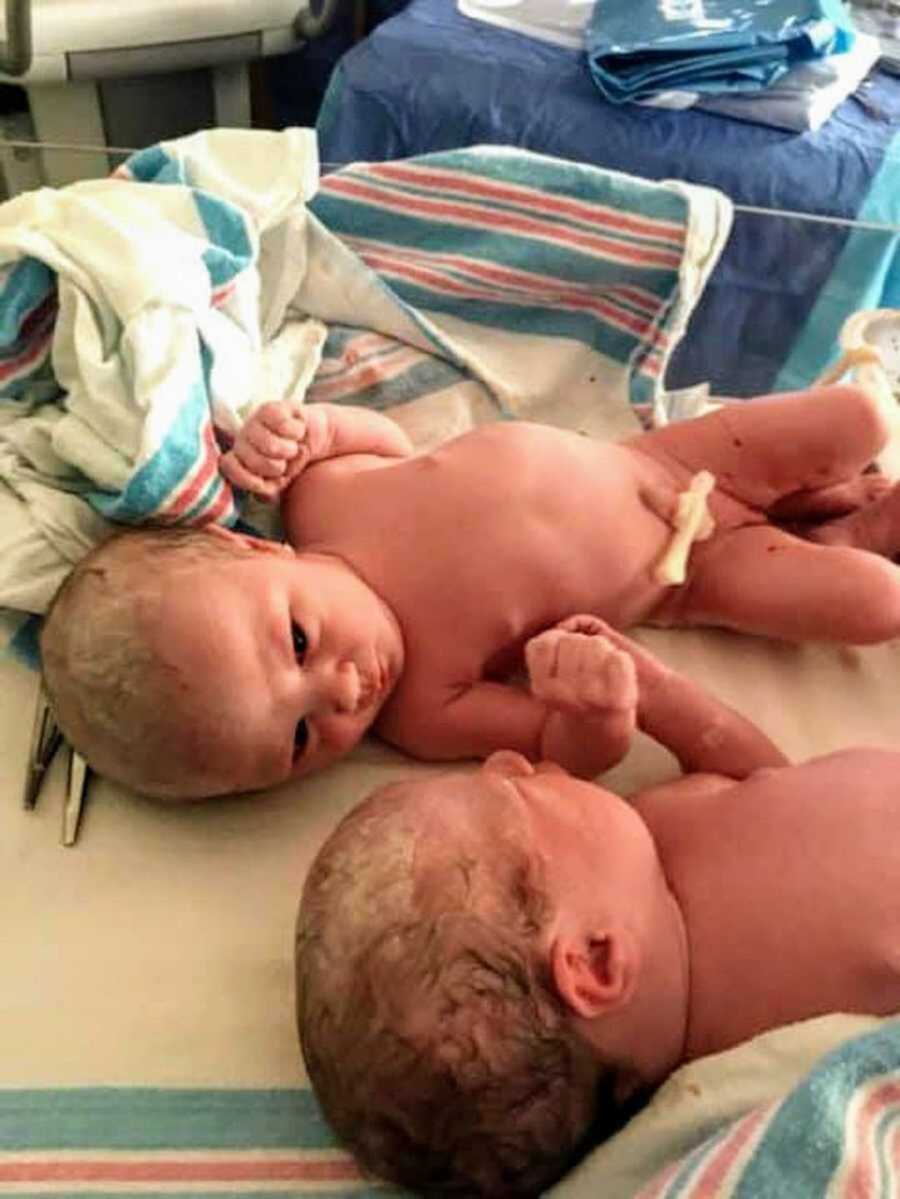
(329, 495)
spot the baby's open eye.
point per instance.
(301, 737)
(298, 638)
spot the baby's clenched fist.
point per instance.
(275, 444)
(580, 672)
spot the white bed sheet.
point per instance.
(158, 951)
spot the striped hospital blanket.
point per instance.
(533, 245)
(837, 1134)
(154, 1142)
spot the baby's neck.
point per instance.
(645, 1038)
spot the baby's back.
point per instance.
(790, 884)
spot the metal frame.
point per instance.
(15, 52)
(309, 22)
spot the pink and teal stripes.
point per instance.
(836, 1135)
(521, 243)
(162, 1172)
(106, 1142)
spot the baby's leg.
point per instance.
(761, 450)
(874, 526)
(760, 579)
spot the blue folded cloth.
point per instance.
(637, 48)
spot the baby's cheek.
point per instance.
(338, 735)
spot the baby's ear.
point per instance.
(594, 973)
(261, 544)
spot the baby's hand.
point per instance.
(275, 444)
(577, 668)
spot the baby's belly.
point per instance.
(592, 548)
(562, 571)
(613, 580)
(530, 529)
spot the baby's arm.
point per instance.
(703, 733)
(589, 686)
(488, 716)
(279, 440)
(580, 711)
(590, 690)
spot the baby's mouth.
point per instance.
(373, 685)
(369, 690)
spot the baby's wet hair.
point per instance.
(114, 700)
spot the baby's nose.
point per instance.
(340, 687)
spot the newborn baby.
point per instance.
(190, 664)
(495, 969)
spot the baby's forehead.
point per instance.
(208, 577)
(463, 815)
(470, 798)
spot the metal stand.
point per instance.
(231, 95)
(67, 113)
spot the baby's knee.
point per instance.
(873, 615)
(857, 416)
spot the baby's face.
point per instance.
(284, 659)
